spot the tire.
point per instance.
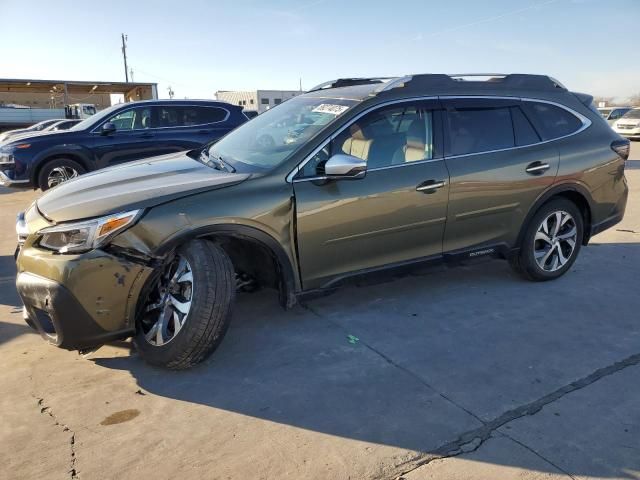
(210, 296)
(546, 254)
(65, 168)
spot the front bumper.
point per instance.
(7, 181)
(79, 301)
(628, 132)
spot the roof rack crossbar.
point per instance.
(348, 82)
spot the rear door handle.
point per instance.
(537, 168)
(430, 186)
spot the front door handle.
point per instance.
(537, 168)
(430, 186)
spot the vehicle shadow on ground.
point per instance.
(416, 362)
(8, 292)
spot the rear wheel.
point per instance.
(551, 242)
(188, 309)
(58, 171)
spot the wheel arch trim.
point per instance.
(77, 155)
(556, 190)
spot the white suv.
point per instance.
(629, 125)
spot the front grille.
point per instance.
(626, 127)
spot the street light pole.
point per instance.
(124, 56)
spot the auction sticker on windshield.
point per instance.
(332, 109)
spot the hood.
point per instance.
(22, 136)
(5, 136)
(140, 184)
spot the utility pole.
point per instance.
(124, 56)
(131, 73)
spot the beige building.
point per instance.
(258, 100)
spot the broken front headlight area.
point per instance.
(83, 236)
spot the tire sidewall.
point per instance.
(527, 257)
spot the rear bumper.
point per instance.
(616, 216)
(58, 316)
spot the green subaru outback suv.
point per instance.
(355, 176)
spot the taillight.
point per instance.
(622, 148)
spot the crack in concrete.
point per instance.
(472, 440)
(457, 447)
(46, 410)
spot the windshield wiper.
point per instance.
(216, 162)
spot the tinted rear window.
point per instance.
(477, 130)
(551, 121)
(186, 115)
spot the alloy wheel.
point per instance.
(59, 175)
(170, 303)
(555, 241)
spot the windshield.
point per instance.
(271, 137)
(93, 120)
(605, 112)
(635, 113)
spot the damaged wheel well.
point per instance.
(254, 258)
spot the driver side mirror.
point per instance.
(108, 128)
(345, 167)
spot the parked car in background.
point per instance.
(611, 114)
(61, 125)
(417, 170)
(116, 135)
(629, 125)
(38, 127)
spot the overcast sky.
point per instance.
(199, 46)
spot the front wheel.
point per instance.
(188, 310)
(551, 242)
(58, 171)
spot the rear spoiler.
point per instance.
(585, 98)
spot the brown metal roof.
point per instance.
(73, 86)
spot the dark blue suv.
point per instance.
(118, 134)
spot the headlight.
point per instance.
(84, 236)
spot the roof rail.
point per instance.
(348, 82)
(486, 80)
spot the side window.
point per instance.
(385, 137)
(551, 121)
(475, 130)
(205, 115)
(524, 131)
(168, 117)
(134, 119)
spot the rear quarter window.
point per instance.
(551, 121)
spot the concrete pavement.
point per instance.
(465, 373)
